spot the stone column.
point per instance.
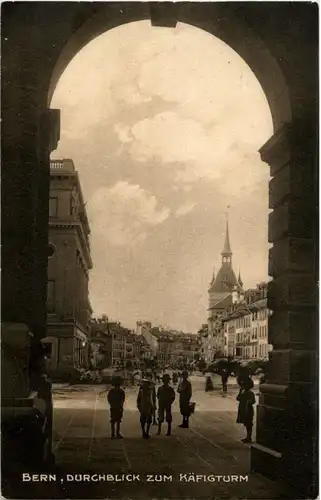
(286, 445)
(27, 138)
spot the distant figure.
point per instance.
(166, 397)
(209, 384)
(245, 414)
(175, 378)
(224, 377)
(116, 399)
(146, 404)
(185, 394)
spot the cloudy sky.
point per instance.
(164, 127)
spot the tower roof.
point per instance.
(225, 279)
(213, 278)
(227, 247)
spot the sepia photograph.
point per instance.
(160, 250)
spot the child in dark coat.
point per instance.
(146, 404)
(245, 414)
(185, 394)
(116, 399)
(166, 397)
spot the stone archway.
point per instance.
(279, 42)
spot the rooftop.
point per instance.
(63, 165)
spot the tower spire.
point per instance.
(227, 252)
(239, 279)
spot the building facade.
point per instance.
(101, 344)
(203, 341)
(144, 328)
(117, 346)
(174, 347)
(166, 348)
(186, 349)
(69, 262)
(246, 326)
(119, 340)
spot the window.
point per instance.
(53, 207)
(51, 292)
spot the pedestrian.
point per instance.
(224, 376)
(146, 404)
(209, 384)
(185, 394)
(166, 397)
(175, 378)
(245, 414)
(116, 399)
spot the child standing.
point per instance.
(146, 404)
(116, 399)
(166, 397)
(185, 394)
(245, 414)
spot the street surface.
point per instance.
(211, 446)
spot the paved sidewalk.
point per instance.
(211, 447)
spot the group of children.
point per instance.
(146, 404)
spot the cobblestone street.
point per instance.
(211, 446)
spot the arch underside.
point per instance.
(219, 20)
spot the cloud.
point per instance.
(196, 152)
(123, 214)
(123, 133)
(131, 94)
(184, 209)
